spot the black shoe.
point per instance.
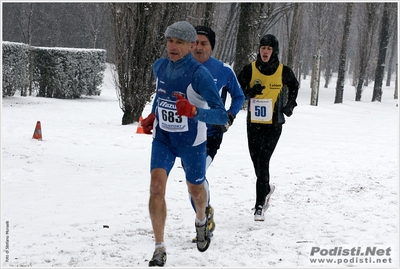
(203, 237)
(211, 223)
(159, 258)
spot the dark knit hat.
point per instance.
(182, 30)
(272, 41)
(204, 30)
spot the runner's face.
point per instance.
(265, 53)
(203, 50)
(178, 48)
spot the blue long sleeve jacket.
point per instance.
(226, 82)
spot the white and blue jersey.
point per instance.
(180, 136)
(193, 81)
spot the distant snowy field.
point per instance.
(79, 198)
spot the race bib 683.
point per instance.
(168, 118)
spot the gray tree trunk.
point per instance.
(247, 36)
(315, 79)
(294, 38)
(331, 46)
(392, 58)
(226, 41)
(366, 33)
(343, 55)
(383, 43)
(320, 28)
(393, 43)
(396, 90)
(209, 14)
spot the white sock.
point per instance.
(200, 222)
(160, 245)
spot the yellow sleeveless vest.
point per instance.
(261, 107)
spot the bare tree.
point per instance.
(343, 55)
(199, 13)
(393, 43)
(294, 38)
(272, 14)
(226, 41)
(208, 14)
(248, 34)
(365, 41)
(396, 89)
(138, 40)
(392, 58)
(383, 42)
(25, 23)
(331, 48)
(95, 14)
(320, 26)
(139, 36)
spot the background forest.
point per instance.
(358, 41)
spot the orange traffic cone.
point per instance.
(38, 131)
(139, 129)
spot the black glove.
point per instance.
(225, 127)
(288, 109)
(257, 89)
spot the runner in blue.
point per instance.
(227, 84)
(186, 99)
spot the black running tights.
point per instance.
(262, 140)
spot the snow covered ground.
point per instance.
(79, 198)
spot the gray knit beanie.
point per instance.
(181, 30)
